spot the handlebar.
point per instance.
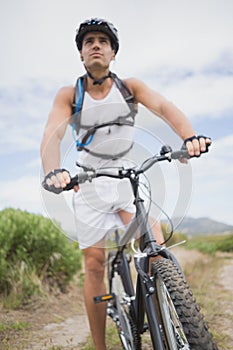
(89, 174)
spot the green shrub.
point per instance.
(226, 244)
(212, 244)
(34, 252)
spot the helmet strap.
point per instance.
(98, 81)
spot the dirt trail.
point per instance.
(220, 290)
(68, 334)
(57, 323)
(61, 323)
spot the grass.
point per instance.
(212, 244)
(13, 326)
(212, 298)
(10, 328)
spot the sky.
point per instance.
(183, 49)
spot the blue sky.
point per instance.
(183, 49)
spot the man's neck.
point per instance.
(98, 76)
(98, 91)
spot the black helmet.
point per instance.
(97, 25)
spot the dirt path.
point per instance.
(61, 323)
(68, 334)
(57, 323)
(226, 278)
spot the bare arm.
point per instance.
(168, 112)
(55, 128)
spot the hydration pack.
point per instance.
(77, 123)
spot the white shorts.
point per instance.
(96, 207)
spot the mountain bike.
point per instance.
(161, 302)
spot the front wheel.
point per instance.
(182, 324)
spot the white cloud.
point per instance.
(22, 193)
(213, 173)
(218, 163)
(23, 114)
(201, 95)
(34, 164)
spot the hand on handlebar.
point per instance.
(197, 145)
(57, 180)
(192, 147)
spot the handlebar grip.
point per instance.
(76, 180)
(183, 153)
(73, 182)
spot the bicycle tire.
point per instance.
(121, 311)
(188, 317)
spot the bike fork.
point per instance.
(146, 289)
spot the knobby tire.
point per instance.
(189, 315)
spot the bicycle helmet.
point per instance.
(97, 25)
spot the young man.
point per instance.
(109, 145)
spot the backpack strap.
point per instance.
(78, 102)
(109, 156)
(129, 98)
(91, 129)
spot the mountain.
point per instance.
(204, 225)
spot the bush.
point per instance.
(226, 244)
(212, 244)
(34, 253)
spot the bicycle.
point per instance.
(162, 302)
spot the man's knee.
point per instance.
(94, 260)
(157, 229)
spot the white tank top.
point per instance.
(110, 139)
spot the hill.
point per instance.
(204, 225)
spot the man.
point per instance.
(107, 145)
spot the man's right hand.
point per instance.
(56, 180)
